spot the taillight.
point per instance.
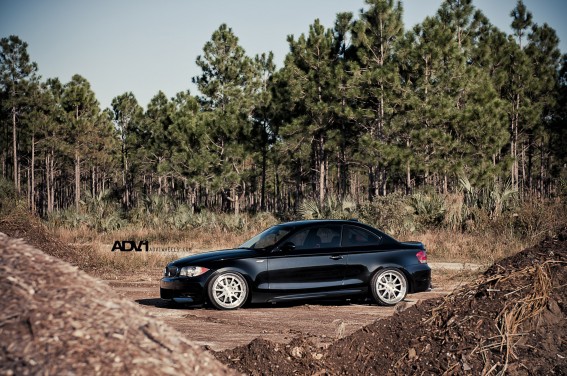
(421, 257)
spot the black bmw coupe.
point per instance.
(302, 260)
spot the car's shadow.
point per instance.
(160, 303)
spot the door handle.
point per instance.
(336, 257)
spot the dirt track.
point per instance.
(321, 322)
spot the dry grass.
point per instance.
(141, 266)
(442, 245)
(164, 247)
(485, 249)
(87, 254)
(483, 244)
(190, 239)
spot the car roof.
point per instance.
(355, 222)
(309, 222)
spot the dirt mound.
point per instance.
(512, 319)
(20, 224)
(56, 319)
(262, 357)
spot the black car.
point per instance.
(302, 260)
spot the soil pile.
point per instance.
(55, 319)
(20, 224)
(511, 320)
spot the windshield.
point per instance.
(267, 238)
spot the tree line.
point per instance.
(360, 109)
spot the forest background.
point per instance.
(452, 125)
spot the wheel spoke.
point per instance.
(229, 291)
(390, 286)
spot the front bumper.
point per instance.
(183, 289)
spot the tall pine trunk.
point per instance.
(263, 188)
(408, 172)
(77, 180)
(32, 171)
(49, 181)
(15, 150)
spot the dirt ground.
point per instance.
(57, 320)
(511, 319)
(321, 322)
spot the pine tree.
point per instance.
(478, 127)
(518, 82)
(557, 161)
(543, 53)
(127, 117)
(228, 85)
(17, 76)
(42, 125)
(263, 127)
(186, 153)
(53, 138)
(374, 37)
(345, 135)
(82, 110)
(157, 138)
(309, 72)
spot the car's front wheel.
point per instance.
(228, 291)
(389, 286)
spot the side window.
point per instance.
(317, 237)
(328, 237)
(299, 239)
(356, 236)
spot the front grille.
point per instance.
(171, 271)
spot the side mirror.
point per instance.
(288, 247)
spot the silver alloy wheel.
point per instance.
(229, 291)
(391, 286)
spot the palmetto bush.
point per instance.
(429, 209)
(99, 213)
(494, 198)
(181, 217)
(153, 211)
(68, 218)
(333, 208)
(102, 213)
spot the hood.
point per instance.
(225, 254)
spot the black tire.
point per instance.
(389, 286)
(228, 290)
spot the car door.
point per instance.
(315, 265)
(364, 252)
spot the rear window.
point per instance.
(359, 237)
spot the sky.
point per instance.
(144, 46)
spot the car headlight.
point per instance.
(192, 271)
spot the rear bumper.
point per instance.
(420, 278)
(183, 289)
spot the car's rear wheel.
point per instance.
(389, 286)
(228, 291)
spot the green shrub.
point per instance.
(392, 214)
